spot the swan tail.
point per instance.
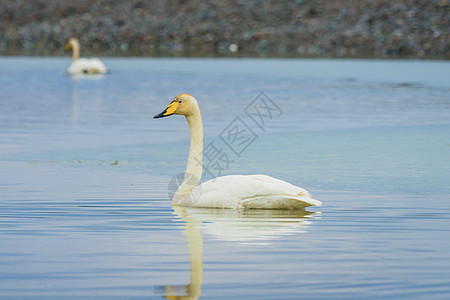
(280, 202)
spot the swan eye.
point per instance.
(180, 101)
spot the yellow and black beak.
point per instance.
(170, 110)
(68, 47)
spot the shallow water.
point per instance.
(84, 173)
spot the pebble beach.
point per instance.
(303, 28)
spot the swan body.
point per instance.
(250, 191)
(83, 65)
(87, 66)
(232, 191)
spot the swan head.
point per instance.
(183, 104)
(71, 43)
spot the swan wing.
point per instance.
(87, 66)
(252, 191)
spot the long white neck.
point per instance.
(194, 167)
(75, 50)
(195, 160)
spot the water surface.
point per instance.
(84, 172)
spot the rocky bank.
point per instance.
(257, 28)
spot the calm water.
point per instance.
(84, 173)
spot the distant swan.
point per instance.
(232, 191)
(83, 65)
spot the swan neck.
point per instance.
(75, 50)
(194, 167)
(195, 160)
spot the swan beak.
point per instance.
(68, 47)
(170, 110)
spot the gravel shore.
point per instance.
(256, 28)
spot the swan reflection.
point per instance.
(249, 226)
(81, 76)
(242, 226)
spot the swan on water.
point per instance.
(83, 65)
(232, 191)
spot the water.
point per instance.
(84, 170)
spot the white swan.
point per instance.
(232, 191)
(83, 65)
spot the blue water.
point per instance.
(84, 173)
